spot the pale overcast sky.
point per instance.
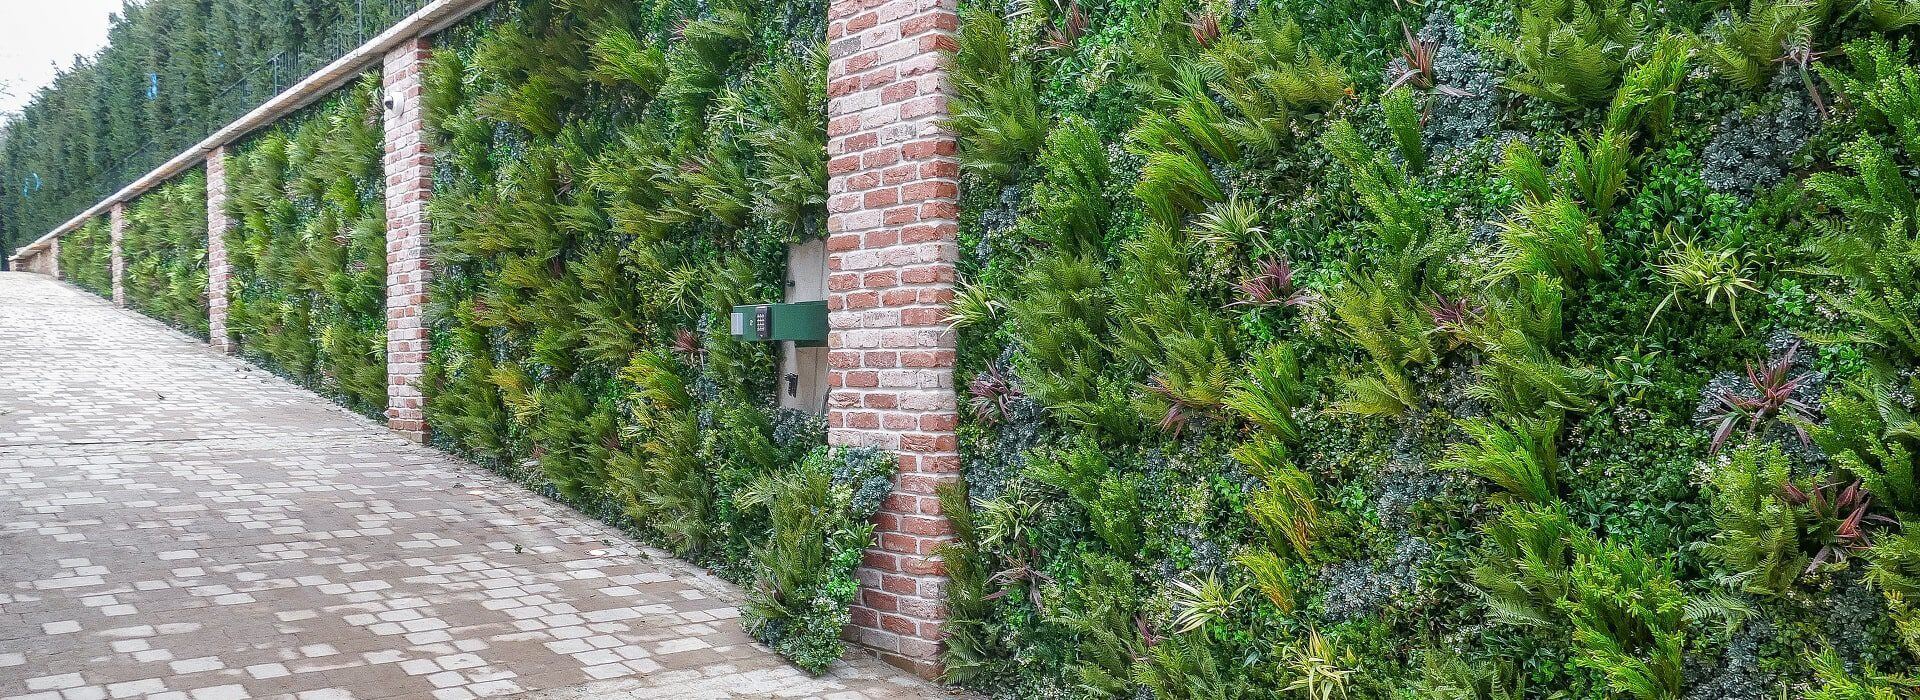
(37, 34)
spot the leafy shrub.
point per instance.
(308, 249)
(611, 179)
(165, 246)
(804, 584)
(86, 257)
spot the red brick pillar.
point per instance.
(409, 169)
(892, 222)
(218, 272)
(117, 227)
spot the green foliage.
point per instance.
(86, 257)
(308, 249)
(1519, 457)
(612, 179)
(1759, 530)
(1403, 117)
(1283, 280)
(1874, 245)
(1836, 682)
(1749, 46)
(1572, 52)
(165, 246)
(995, 108)
(804, 582)
(1872, 436)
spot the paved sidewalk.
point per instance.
(178, 525)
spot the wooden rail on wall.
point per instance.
(437, 15)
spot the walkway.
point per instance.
(175, 524)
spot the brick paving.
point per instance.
(178, 525)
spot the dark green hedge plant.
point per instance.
(308, 249)
(86, 257)
(611, 178)
(165, 246)
(1463, 349)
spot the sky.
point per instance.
(37, 34)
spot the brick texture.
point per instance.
(116, 229)
(409, 170)
(892, 220)
(218, 271)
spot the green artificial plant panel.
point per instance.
(611, 179)
(1454, 350)
(86, 257)
(308, 249)
(165, 246)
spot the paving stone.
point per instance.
(175, 523)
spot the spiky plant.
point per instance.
(1711, 275)
(995, 108)
(1518, 455)
(1768, 397)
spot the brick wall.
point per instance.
(409, 169)
(116, 228)
(892, 221)
(218, 272)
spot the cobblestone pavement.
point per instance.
(177, 525)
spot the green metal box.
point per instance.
(803, 322)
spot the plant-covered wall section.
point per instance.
(86, 257)
(1544, 349)
(612, 178)
(165, 246)
(308, 249)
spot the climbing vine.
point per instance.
(308, 249)
(165, 247)
(611, 179)
(1458, 349)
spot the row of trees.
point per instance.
(173, 72)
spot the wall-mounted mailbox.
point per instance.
(803, 322)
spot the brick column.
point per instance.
(116, 228)
(218, 272)
(409, 168)
(892, 222)
(53, 258)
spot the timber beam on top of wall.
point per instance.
(435, 16)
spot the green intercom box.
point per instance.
(803, 322)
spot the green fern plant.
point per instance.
(1379, 315)
(1286, 508)
(1526, 562)
(1518, 455)
(1402, 111)
(1759, 531)
(971, 650)
(1071, 209)
(1270, 391)
(1870, 435)
(1184, 667)
(1874, 245)
(1572, 52)
(995, 109)
(1748, 47)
